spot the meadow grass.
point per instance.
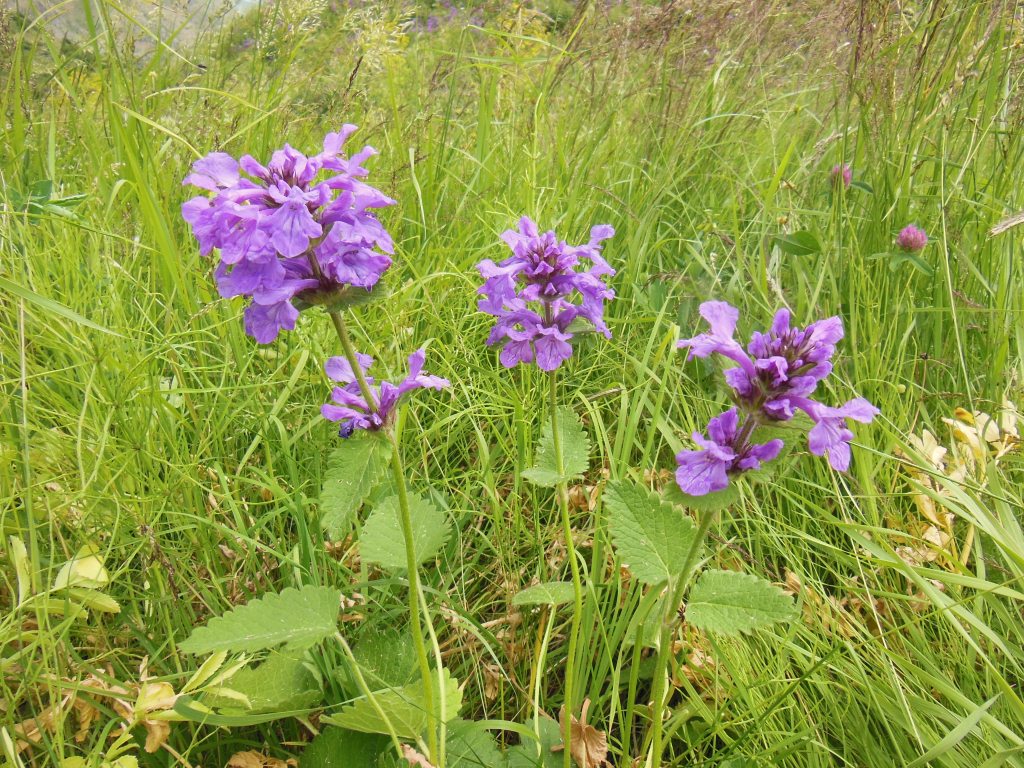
(138, 417)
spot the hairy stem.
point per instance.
(673, 596)
(415, 588)
(574, 567)
(415, 595)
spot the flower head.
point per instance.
(548, 274)
(298, 228)
(351, 409)
(912, 239)
(772, 379)
(726, 451)
(841, 172)
(785, 361)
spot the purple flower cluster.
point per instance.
(350, 407)
(545, 272)
(285, 234)
(772, 380)
(912, 239)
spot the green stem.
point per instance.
(673, 596)
(353, 359)
(415, 588)
(415, 594)
(574, 567)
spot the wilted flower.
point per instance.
(842, 171)
(911, 239)
(543, 271)
(284, 235)
(350, 407)
(771, 381)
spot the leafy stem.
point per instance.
(574, 567)
(674, 592)
(405, 516)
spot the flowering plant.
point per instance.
(544, 272)
(773, 379)
(289, 238)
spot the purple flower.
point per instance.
(773, 378)
(350, 407)
(285, 236)
(841, 171)
(830, 436)
(548, 274)
(728, 451)
(786, 361)
(912, 239)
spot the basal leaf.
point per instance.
(470, 745)
(382, 542)
(652, 537)
(338, 748)
(295, 618)
(731, 603)
(547, 593)
(403, 707)
(538, 754)
(575, 452)
(353, 470)
(282, 683)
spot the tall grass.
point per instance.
(137, 416)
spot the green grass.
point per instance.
(137, 416)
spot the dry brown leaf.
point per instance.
(587, 745)
(492, 681)
(254, 759)
(414, 757)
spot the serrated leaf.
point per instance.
(547, 593)
(652, 537)
(353, 470)
(575, 452)
(282, 683)
(404, 708)
(94, 600)
(385, 657)
(382, 542)
(338, 748)
(470, 745)
(538, 754)
(295, 618)
(801, 243)
(731, 603)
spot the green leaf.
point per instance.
(353, 470)
(382, 542)
(575, 452)
(295, 618)
(731, 603)
(801, 243)
(652, 537)
(863, 186)
(338, 299)
(385, 656)
(538, 754)
(403, 707)
(282, 683)
(547, 593)
(706, 503)
(52, 306)
(470, 745)
(337, 748)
